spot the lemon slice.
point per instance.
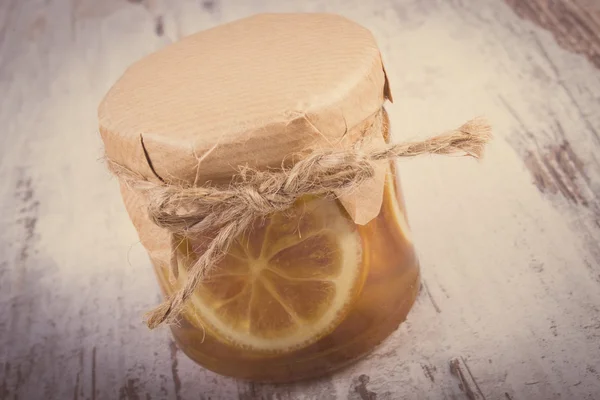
(284, 285)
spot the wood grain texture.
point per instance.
(509, 246)
(574, 24)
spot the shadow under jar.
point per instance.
(305, 291)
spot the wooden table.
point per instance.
(510, 253)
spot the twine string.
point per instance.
(192, 211)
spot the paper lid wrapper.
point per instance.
(248, 93)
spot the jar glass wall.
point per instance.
(304, 293)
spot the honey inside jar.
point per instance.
(301, 294)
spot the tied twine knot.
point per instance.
(227, 212)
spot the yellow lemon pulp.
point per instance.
(284, 285)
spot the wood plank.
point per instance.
(574, 24)
(509, 246)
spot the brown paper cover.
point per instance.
(250, 93)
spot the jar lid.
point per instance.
(249, 92)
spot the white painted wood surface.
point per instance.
(509, 246)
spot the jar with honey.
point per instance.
(308, 288)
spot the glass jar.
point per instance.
(304, 293)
